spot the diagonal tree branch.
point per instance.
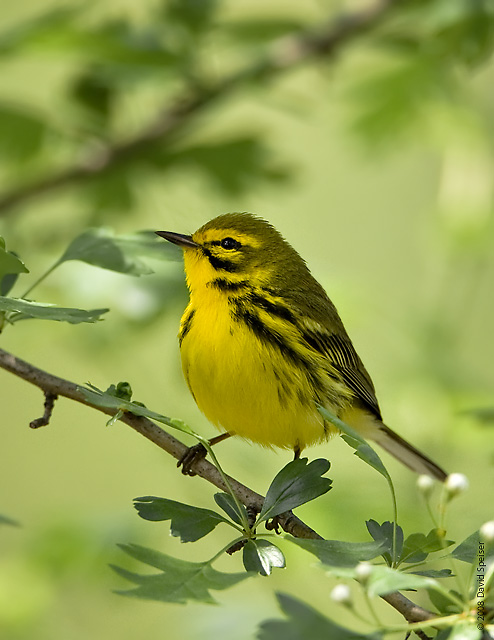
(54, 386)
(285, 54)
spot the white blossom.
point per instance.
(456, 483)
(487, 531)
(342, 594)
(425, 485)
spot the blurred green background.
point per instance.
(377, 166)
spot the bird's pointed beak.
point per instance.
(178, 238)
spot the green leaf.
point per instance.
(196, 15)
(226, 502)
(443, 604)
(435, 541)
(413, 548)
(101, 248)
(178, 581)
(465, 631)
(467, 33)
(362, 449)
(10, 263)
(121, 390)
(10, 268)
(187, 522)
(434, 573)
(468, 550)
(101, 399)
(94, 92)
(305, 622)
(23, 309)
(21, 132)
(296, 484)
(384, 533)
(336, 553)
(261, 556)
(383, 580)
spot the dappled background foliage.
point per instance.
(376, 163)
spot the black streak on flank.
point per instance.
(186, 325)
(219, 263)
(273, 338)
(222, 284)
(274, 309)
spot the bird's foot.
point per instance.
(190, 457)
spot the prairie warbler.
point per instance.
(262, 345)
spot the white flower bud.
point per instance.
(363, 571)
(425, 485)
(487, 531)
(342, 595)
(456, 483)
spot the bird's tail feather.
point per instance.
(407, 454)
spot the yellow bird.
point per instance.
(262, 345)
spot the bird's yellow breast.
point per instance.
(242, 384)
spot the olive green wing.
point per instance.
(338, 348)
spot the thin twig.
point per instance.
(54, 385)
(45, 418)
(285, 54)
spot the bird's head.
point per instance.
(236, 247)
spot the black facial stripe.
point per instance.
(219, 263)
(186, 326)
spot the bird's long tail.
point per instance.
(406, 453)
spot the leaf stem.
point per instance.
(40, 279)
(394, 559)
(240, 507)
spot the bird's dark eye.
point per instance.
(229, 244)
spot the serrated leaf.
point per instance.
(384, 533)
(305, 622)
(226, 502)
(336, 553)
(296, 484)
(383, 580)
(413, 548)
(435, 541)
(261, 556)
(178, 581)
(101, 399)
(187, 522)
(101, 248)
(24, 309)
